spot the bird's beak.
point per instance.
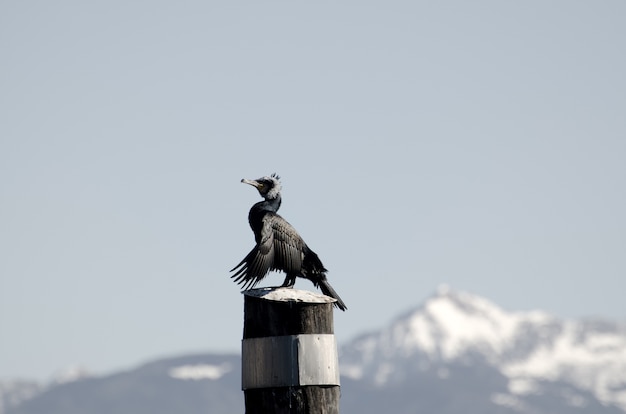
(253, 183)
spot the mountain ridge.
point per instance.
(455, 352)
(525, 347)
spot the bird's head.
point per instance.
(269, 186)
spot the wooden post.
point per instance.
(289, 353)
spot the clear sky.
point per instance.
(480, 144)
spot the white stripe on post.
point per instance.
(290, 360)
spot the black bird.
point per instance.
(278, 245)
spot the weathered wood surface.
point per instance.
(286, 311)
(313, 400)
(289, 353)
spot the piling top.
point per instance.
(282, 294)
(286, 311)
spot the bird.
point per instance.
(278, 245)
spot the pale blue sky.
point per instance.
(480, 144)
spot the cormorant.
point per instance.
(278, 245)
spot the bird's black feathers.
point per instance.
(278, 245)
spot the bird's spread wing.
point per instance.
(279, 248)
(259, 261)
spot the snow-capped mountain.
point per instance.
(530, 350)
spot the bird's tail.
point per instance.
(328, 290)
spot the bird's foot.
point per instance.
(289, 282)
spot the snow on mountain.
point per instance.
(14, 392)
(198, 372)
(527, 348)
(70, 373)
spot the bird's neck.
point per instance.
(259, 210)
(272, 204)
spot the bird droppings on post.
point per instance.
(279, 246)
(281, 294)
